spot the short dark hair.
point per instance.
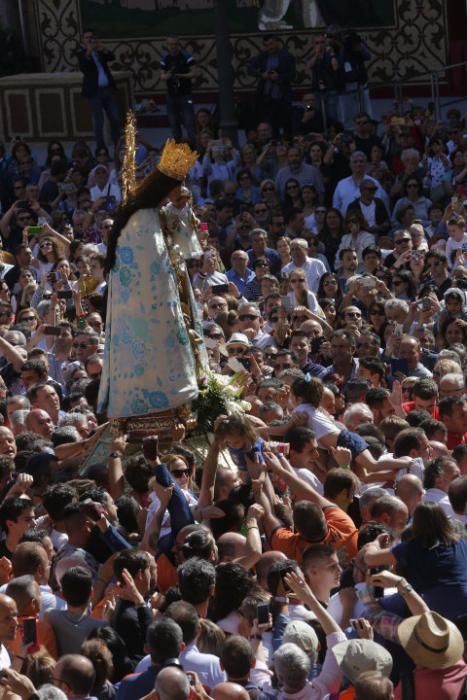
(434, 469)
(376, 396)
(76, 585)
(430, 426)
(134, 560)
(315, 553)
(195, 579)
(373, 364)
(185, 615)
(407, 440)
(164, 639)
(56, 497)
(337, 480)
(425, 388)
(446, 405)
(299, 437)
(12, 508)
(309, 520)
(237, 657)
(37, 366)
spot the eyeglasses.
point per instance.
(28, 318)
(217, 304)
(353, 314)
(297, 281)
(45, 244)
(268, 189)
(235, 351)
(83, 346)
(401, 240)
(178, 473)
(248, 317)
(329, 283)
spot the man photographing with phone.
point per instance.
(99, 86)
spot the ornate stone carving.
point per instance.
(416, 44)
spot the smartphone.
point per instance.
(41, 220)
(235, 365)
(34, 231)
(151, 447)
(246, 362)
(65, 294)
(52, 330)
(262, 613)
(353, 623)
(378, 591)
(368, 282)
(220, 288)
(29, 631)
(53, 277)
(280, 448)
(283, 574)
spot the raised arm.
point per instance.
(301, 490)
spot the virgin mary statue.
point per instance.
(149, 364)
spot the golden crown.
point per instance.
(177, 160)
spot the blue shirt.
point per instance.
(138, 685)
(232, 276)
(238, 455)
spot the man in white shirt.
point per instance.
(438, 476)
(304, 455)
(104, 188)
(348, 189)
(8, 627)
(313, 267)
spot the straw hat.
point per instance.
(431, 640)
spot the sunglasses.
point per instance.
(401, 240)
(260, 211)
(217, 305)
(178, 473)
(353, 314)
(235, 351)
(262, 264)
(45, 244)
(297, 281)
(268, 189)
(28, 318)
(248, 317)
(215, 336)
(83, 346)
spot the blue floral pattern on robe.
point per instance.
(148, 361)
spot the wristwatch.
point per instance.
(405, 586)
(115, 455)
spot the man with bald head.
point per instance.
(264, 564)
(8, 627)
(172, 684)
(409, 489)
(229, 691)
(75, 675)
(7, 442)
(39, 422)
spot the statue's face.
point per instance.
(178, 197)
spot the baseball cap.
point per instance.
(359, 655)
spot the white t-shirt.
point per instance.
(452, 245)
(309, 478)
(5, 661)
(318, 421)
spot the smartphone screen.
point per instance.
(262, 613)
(52, 330)
(151, 447)
(220, 288)
(29, 631)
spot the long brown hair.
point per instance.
(149, 194)
(431, 526)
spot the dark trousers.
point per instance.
(105, 101)
(180, 112)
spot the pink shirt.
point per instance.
(445, 684)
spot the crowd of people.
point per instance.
(319, 549)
